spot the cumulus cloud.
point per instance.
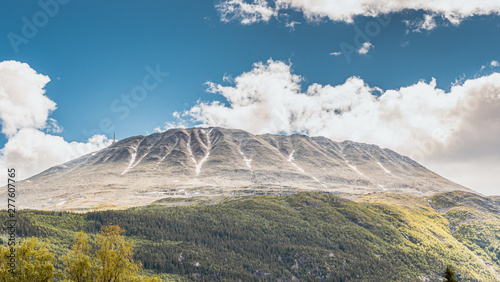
(31, 151)
(25, 121)
(29, 107)
(494, 64)
(365, 48)
(420, 120)
(345, 11)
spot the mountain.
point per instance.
(215, 162)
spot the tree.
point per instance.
(33, 262)
(79, 261)
(449, 274)
(114, 256)
(111, 262)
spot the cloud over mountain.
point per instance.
(420, 120)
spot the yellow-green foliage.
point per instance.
(310, 236)
(112, 261)
(79, 261)
(33, 262)
(428, 232)
(474, 222)
(114, 256)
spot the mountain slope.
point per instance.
(309, 236)
(215, 161)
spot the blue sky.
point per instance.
(95, 51)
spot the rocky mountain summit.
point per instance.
(214, 161)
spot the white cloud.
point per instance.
(53, 126)
(420, 120)
(24, 113)
(246, 13)
(29, 107)
(226, 78)
(345, 11)
(428, 23)
(335, 53)
(365, 48)
(180, 123)
(31, 151)
(479, 175)
(494, 64)
(292, 24)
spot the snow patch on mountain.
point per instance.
(198, 165)
(132, 160)
(290, 159)
(170, 151)
(355, 169)
(385, 169)
(247, 161)
(322, 184)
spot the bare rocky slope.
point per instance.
(215, 162)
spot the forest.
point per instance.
(305, 236)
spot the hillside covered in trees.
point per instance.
(304, 236)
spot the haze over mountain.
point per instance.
(215, 161)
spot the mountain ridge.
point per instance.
(216, 161)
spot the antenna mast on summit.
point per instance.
(114, 140)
